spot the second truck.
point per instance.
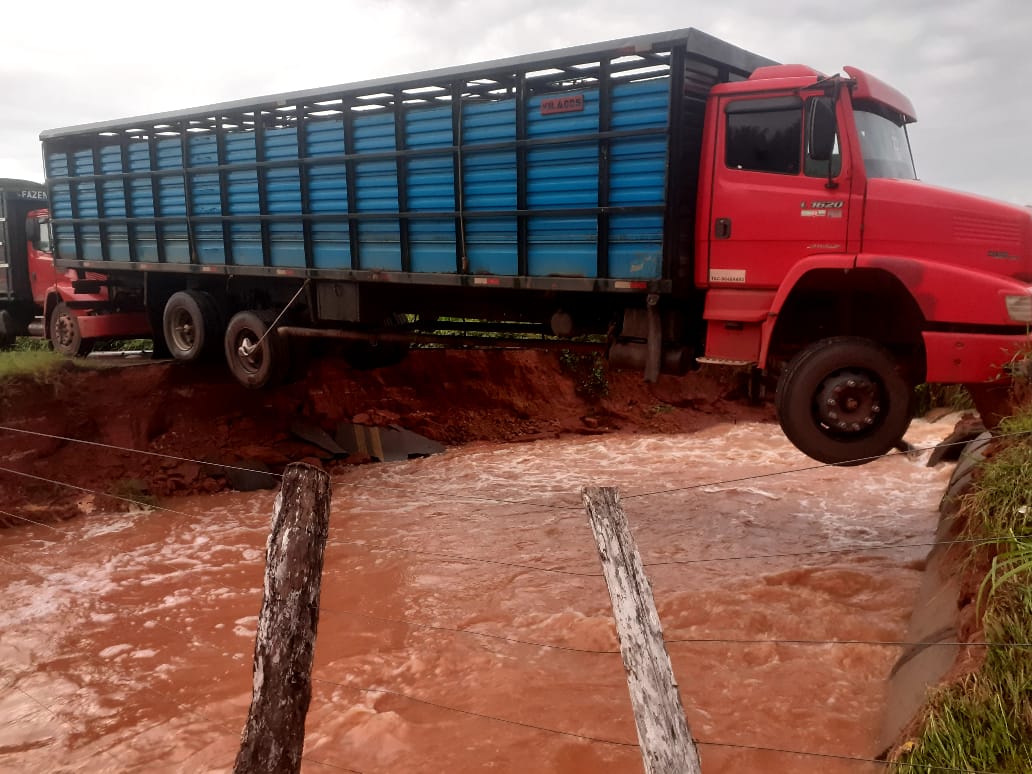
(671, 197)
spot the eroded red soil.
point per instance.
(200, 413)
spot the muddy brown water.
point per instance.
(126, 639)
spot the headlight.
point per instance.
(1019, 308)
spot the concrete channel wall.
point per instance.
(936, 612)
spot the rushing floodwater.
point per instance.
(126, 640)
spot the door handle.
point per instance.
(722, 228)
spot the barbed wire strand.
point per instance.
(873, 643)
(858, 549)
(807, 468)
(866, 548)
(675, 640)
(427, 702)
(619, 743)
(130, 450)
(832, 756)
(93, 491)
(689, 487)
(65, 723)
(209, 464)
(468, 632)
(469, 559)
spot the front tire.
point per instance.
(255, 365)
(65, 334)
(843, 401)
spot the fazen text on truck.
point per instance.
(669, 199)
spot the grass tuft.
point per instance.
(37, 363)
(984, 721)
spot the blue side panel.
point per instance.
(562, 247)
(113, 199)
(381, 244)
(205, 196)
(141, 202)
(328, 194)
(563, 177)
(172, 201)
(491, 245)
(283, 195)
(431, 188)
(86, 194)
(489, 183)
(61, 202)
(243, 199)
(376, 185)
(637, 177)
(636, 246)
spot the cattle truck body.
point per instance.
(556, 183)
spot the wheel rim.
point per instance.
(245, 341)
(184, 334)
(64, 330)
(850, 402)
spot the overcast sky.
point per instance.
(965, 64)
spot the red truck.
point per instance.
(71, 309)
(678, 198)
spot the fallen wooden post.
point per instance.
(666, 743)
(273, 739)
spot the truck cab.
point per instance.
(18, 198)
(70, 308)
(830, 266)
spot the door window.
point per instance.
(765, 135)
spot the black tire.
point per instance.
(191, 325)
(65, 335)
(8, 330)
(843, 401)
(259, 367)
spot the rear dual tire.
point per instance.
(192, 325)
(257, 356)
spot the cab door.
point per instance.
(773, 203)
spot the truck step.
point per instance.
(724, 361)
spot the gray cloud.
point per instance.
(964, 64)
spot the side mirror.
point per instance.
(822, 130)
(32, 230)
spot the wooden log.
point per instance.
(273, 739)
(666, 743)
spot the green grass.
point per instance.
(930, 396)
(589, 371)
(37, 363)
(984, 721)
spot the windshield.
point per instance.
(884, 143)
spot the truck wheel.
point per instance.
(191, 324)
(843, 401)
(252, 365)
(8, 330)
(65, 334)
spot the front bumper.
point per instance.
(958, 358)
